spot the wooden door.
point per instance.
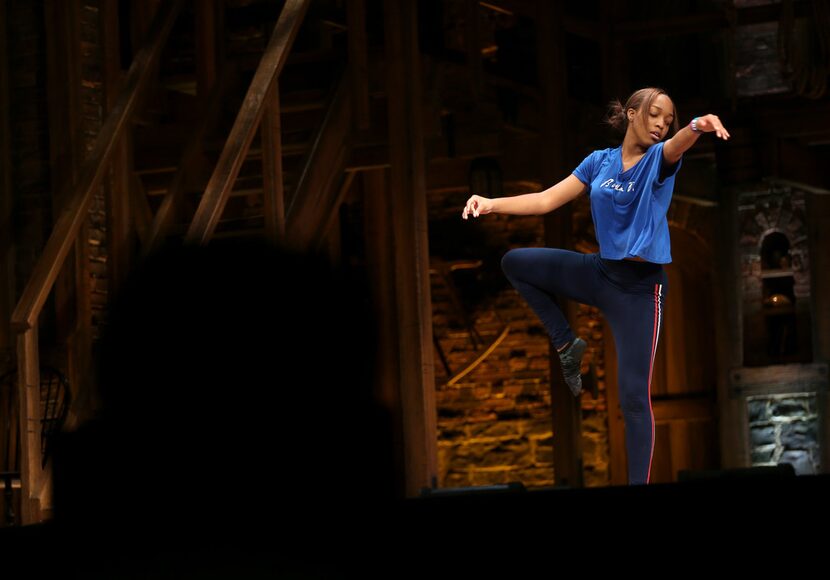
(683, 389)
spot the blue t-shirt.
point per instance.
(629, 207)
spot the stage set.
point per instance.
(410, 282)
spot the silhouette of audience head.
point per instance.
(236, 407)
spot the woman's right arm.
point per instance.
(527, 204)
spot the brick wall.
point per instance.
(93, 107)
(494, 424)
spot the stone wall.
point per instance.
(784, 429)
(782, 400)
(769, 210)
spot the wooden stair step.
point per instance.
(300, 119)
(157, 183)
(255, 152)
(292, 99)
(248, 232)
(158, 169)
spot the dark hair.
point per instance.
(639, 100)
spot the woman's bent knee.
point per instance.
(511, 260)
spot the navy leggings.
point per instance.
(631, 296)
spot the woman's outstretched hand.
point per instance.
(710, 123)
(477, 206)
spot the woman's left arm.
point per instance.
(674, 148)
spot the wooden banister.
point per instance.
(247, 121)
(72, 216)
(35, 479)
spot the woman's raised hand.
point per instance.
(709, 123)
(477, 206)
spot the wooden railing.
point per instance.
(34, 479)
(162, 221)
(261, 100)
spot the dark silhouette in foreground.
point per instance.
(237, 418)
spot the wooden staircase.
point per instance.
(177, 121)
(261, 152)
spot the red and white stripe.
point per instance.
(658, 315)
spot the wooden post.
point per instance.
(207, 42)
(119, 220)
(818, 210)
(79, 345)
(73, 315)
(140, 18)
(7, 291)
(731, 410)
(247, 121)
(273, 186)
(358, 63)
(322, 185)
(29, 404)
(380, 262)
(567, 448)
(408, 202)
(63, 61)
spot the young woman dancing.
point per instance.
(630, 188)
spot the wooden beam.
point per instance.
(318, 191)
(250, 115)
(566, 411)
(141, 210)
(141, 17)
(62, 26)
(210, 109)
(74, 214)
(63, 65)
(671, 26)
(358, 63)
(729, 329)
(411, 245)
(683, 25)
(28, 398)
(73, 318)
(380, 263)
(684, 409)
(119, 220)
(525, 8)
(7, 290)
(818, 224)
(207, 42)
(332, 218)
(273, 189)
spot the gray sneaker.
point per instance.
(571, 360)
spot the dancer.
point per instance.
(630, 188)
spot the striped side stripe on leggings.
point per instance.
(658, 314)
